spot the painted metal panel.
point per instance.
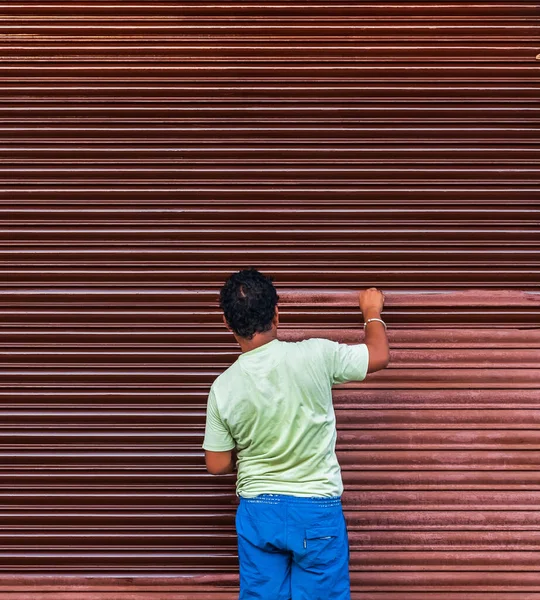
(148, 149)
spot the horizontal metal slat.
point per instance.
(434, 460)
(267, 236)
(114, 592)
(462, 195)
(358, 520)
(82, 439)
(204, 340)
(341, 257)
(70, 357)
(260, 112)
(326, 8)
(273, 27)
(178, 438)
(421, 480)
(145, 315)
(447, 439)
(360, 541)
(138, 478)
(364, 542)
(168, 92)
(356, 52)
(118, 590)
(453, 563)
(171, 397)
(216, 134)
(265, 175)
(271, 72)
(394, 378)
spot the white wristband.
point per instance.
(374, 319)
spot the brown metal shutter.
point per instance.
(151, 148)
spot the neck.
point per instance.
(259, 339)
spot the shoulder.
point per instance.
(315, 348)
(225, 380)
(317, 345)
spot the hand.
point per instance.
(371, 301)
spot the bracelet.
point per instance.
(374, 319)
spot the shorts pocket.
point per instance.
(321, 545)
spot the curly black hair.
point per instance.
(248, 300)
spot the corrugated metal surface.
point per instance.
(150, 148)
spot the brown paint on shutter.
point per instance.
(149, 149)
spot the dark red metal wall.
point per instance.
(147, 150)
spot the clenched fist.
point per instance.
(371, 301)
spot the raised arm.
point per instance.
(371, 304)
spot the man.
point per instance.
(271, 412)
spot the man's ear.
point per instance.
(226, 324)
(275, 320)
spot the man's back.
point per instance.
(274, 405)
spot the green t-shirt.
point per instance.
(274, 405)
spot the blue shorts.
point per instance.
(292, 548)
